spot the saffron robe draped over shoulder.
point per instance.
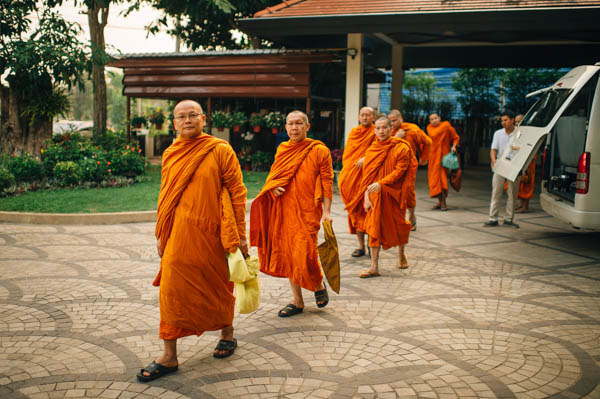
(350, 178)
(392, 164)
(285, 228)
(442, 137)
(195, 291)
(420, 144)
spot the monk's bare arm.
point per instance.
(326, 173)
(454, 137)
(233, 181)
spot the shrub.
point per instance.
(7, 179)
(261, 160)
(25, 168)
(128, 162)
(68, 147)
(95, 169)
(111, 141)
(67, 173)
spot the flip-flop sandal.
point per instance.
(403, 264)
(155, 371)
(369, 274)
(357, 253)
(323, 297)
(290, 310)
(521, 210)
(227, 346)
(443, 209)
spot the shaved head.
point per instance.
(188, 102)
(366, 116)
(395, 113)
(367, 109)
(298, 112)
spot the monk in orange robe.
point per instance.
(350, 178)
(444, 139)
(388, 174)
(195, 292)
(420, 144)
(527, 183)
(286, 215)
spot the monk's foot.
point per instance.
(321, 296)
(438, 206)
(403, 262)
(225, 348)
(357, 253)
(165, 361)
(226, 335)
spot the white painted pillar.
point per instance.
(354, 82)
(397, 76)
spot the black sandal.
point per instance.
(322, 296)
(155, 371)
(358, 253)
(225, 345)
(290, 310)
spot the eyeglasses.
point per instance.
(181, 118)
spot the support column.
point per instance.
(354, 82)
(128, 119)
(397, 76)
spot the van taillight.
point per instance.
(544, 162)
(583, 173)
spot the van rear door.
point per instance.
(539, 121)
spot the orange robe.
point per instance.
(442, 136)
(195, 291)
(526, 189)
(420, 144)
(285, 228)
(359, 140)
(392, 164)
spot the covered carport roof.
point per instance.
(451, 33)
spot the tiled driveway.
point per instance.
(480, 313)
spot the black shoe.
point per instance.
(510, 223)
(491, 223)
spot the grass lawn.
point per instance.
(137, 197)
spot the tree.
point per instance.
(39, 63)
(420, 95)
(517, 83)
(479, 100)
(476, 86)
(206, 24)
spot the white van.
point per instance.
(566, 119)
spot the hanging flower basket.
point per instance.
(274, 130)
(238, 120)
(275, 120)
(236, 128)
(256, 129)
(257, 121)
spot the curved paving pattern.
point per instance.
(481, 313)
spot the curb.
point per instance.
(78, 218)
(82, 218)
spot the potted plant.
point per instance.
(138, 120)
(275, 120)
(157, 118)
(220, 120)
(238, 119)
(256, 121)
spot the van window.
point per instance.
(545, 108)
(568, 141)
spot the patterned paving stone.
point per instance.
(506, 287)
(36, 268)
(23, 318)
(110, 318)
(523, 363)
(119, 268)
(505, 313)
(82, 252)
(36, 356)
(60, 289)
(588, 306)
(98, 389)
(273, 387)
(480, 313)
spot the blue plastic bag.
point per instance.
(450, 161)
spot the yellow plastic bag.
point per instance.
(330, 258)
(244, 274)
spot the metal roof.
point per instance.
(245, 52)
(296, 8)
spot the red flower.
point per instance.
(140, 150)
(97, 162)
(127, 147)
(108, 163)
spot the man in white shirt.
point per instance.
(500, 143)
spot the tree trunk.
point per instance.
(17, 135)
(97, 19)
